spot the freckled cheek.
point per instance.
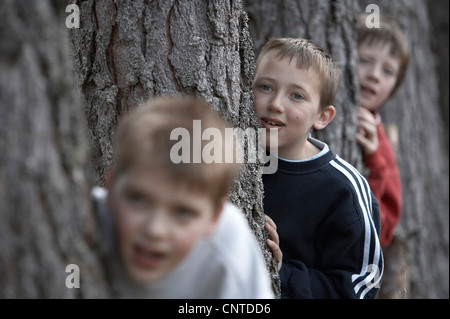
(296, 117)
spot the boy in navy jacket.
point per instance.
(326, 216)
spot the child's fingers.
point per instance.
(276, 253)
(273, 242)
(271, 228)
(369, 127)
(361, 139)
(270, 222)
(366, 115)
(368, 142)
(369, 138)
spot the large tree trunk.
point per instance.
(45, 216)
(329, 23)
(129, 51)
(415, 113)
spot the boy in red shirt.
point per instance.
(383, 61)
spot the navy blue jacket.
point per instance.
(328, 222)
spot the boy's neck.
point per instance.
(305, 152)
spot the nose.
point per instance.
(276, 104)
(374, 73)
(155, 225)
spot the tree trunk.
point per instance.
(422, 152)
(45, 216)
(329, 23)
(129, 51)
(438, 12)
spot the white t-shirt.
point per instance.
(229, 264)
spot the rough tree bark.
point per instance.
(45, 216)
(438, 12)
(129, 51)
(329, 23)
(416, 113)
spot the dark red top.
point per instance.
(384, 180)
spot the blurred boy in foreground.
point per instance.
(168, 228)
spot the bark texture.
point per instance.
(128, 51)
(45, 216)
(438, 12)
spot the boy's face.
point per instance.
(286, 99)
(377, 72)
(157, 223)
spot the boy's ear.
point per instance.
(326, 116)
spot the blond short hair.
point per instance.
(388, 33)
(308, 55)
(143, 137)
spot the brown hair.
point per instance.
(309, 55)
(388, 33)
(144, 137)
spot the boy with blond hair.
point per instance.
(168, 229)
(323, 210)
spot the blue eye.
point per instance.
(388, 71)
(265, 87)
(297, 96)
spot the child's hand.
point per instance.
(274, 242)
(367, 136)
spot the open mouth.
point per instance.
(148, 259)
(367, 91)
(271, 122)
